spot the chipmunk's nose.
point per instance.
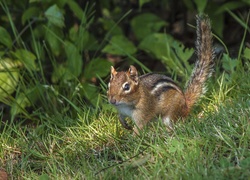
(112, 100)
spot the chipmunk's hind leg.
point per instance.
(167, 121)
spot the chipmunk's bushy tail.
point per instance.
(204, 63)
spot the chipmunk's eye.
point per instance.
(126, 86)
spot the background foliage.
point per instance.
(64, 48)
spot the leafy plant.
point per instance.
(215, 10)
(52, 51)
(146, 24)
(171, 52)
(119, 45)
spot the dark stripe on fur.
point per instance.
(162, 89)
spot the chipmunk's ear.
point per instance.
(132, 73)
(113, 72)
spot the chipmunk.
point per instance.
(145, 97)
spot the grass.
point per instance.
(213, 146)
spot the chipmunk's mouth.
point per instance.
(114, 102)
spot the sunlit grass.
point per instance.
(213, 146)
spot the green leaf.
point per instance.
(169, 51)
(246, 53)
(20, 104)
(189, 4)
(83, 39)
(8, 64)
(142, 2)
(74, 59)
(30, 13)
(97, 68)
(201, 5)
(54, 37)
(77, 10)
(229, 6)
(157, 44)
(218, 24)
(55, 16)
(9, 78)
(92, 44)
(110, 26)
(183, 54)
(44, 177)
(73, 33)
(61, 73)
(245, 163)
(146, 24)
(5, 38)
(8, 83)
(80, 36)
(228, 63)
(39, 31)
(2, 53)
(26, 99)
(26, 57)
(90, 92)
(246, 1)
(176, 146)
(119, 45)
(60, 3)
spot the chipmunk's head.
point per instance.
(123, 86)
